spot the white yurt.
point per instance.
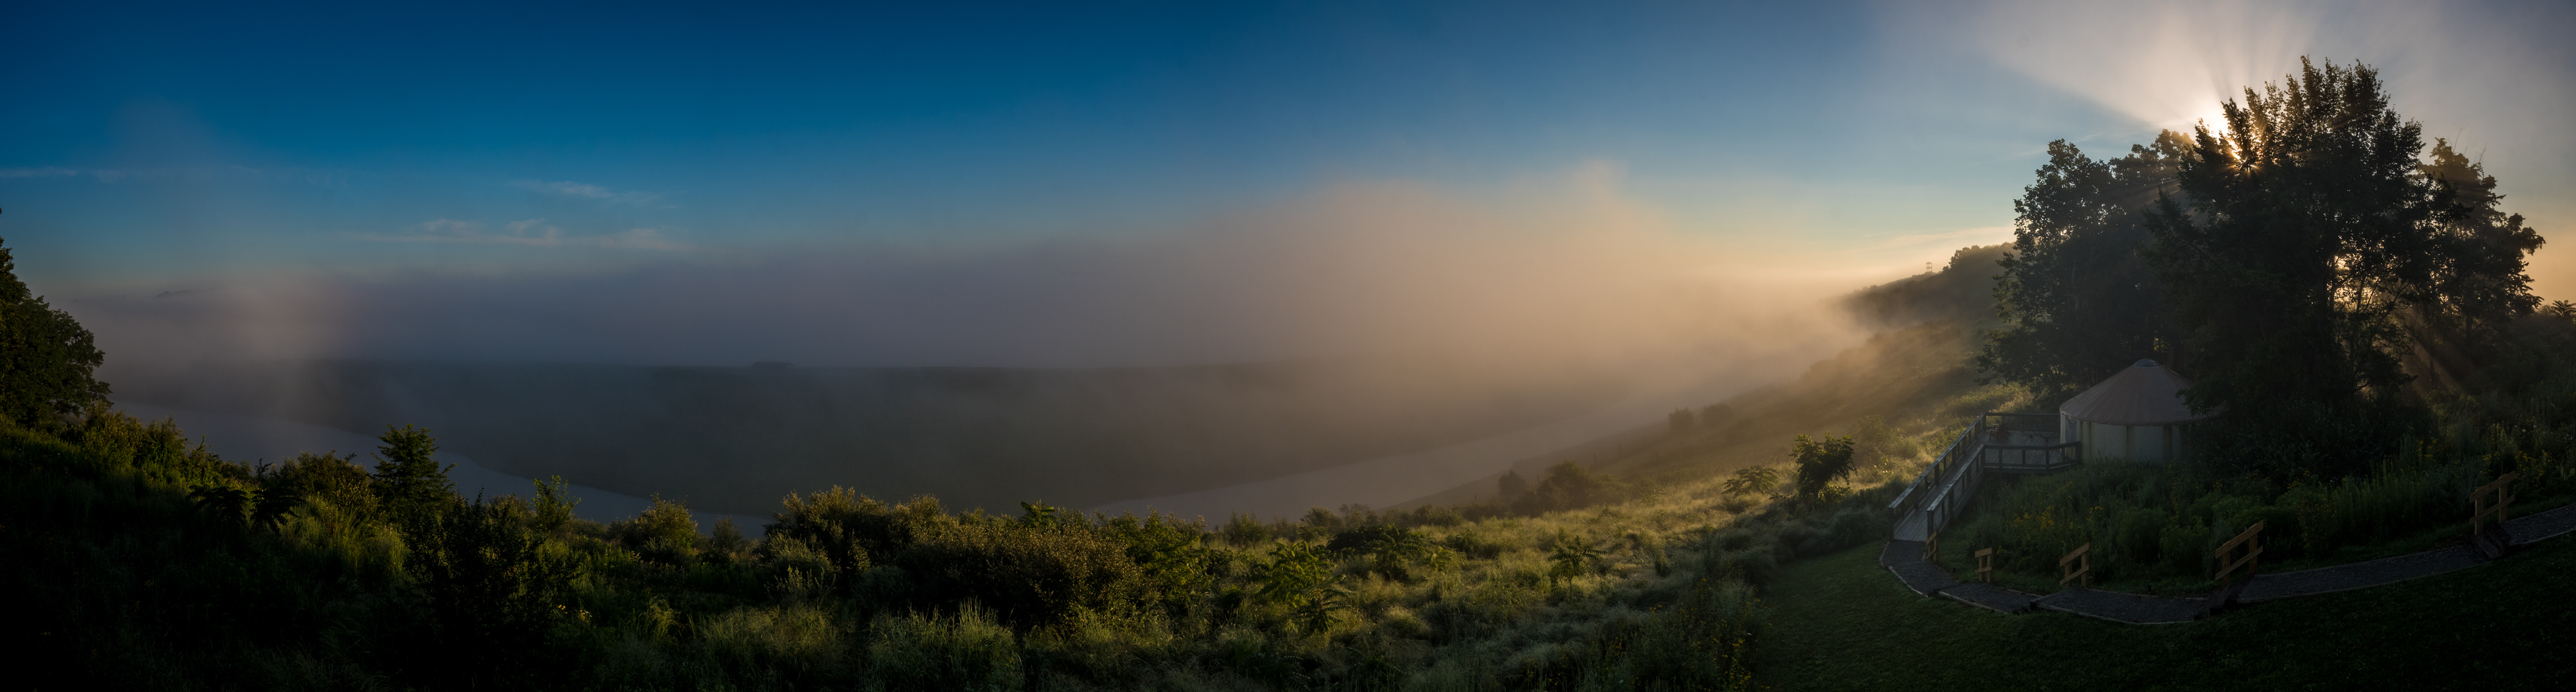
(2137, 415)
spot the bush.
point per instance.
(1245, 530)
(663, 532)
(966, 651)
(1023, 576)
(793, 641)
(1569, 486)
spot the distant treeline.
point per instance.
(1963, 290)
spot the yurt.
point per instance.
(2137, 415)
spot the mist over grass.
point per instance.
(735, 438)
(1366, 321)
(1571, 271)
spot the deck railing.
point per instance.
(2002, 442)
(1953, 497)
(2030, 458)
(1934, 476)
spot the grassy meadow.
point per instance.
(148, 584)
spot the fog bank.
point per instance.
(1369, 321)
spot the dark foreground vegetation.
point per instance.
(1841, 623)
(143, 562)
(2154, 526)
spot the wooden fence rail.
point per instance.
(2478, 509)
(2253, 550)
(2081, 572)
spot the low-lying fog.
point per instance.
(1371, 344)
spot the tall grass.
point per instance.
(1654, 591)
(2159, 525)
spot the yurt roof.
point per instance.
(2142, 394)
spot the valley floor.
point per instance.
(1839, 622)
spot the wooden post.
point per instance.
(1986, 565)
(2081, 572)
(2478, 510)
(2253, 549)
(1932, 547)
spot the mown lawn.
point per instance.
(1839, 622)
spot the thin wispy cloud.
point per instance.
(528, 233)
(308, 176)
(588, 191)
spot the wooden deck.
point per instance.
(2016, 443)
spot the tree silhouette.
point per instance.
(2307, 238)
(407, 479)
(46, 357)
(1820, 463)
(2077, 299)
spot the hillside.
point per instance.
(1906, 382)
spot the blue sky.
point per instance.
(735, 127)
(167, 147)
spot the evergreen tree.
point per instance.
(46, 358)
(407, 478)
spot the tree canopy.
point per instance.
(2289, 261)
(46, 357)
(2077, 298)
(1820, 462)
(2310, 232)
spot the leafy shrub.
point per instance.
(847, 528)
(1820, 462)
(1245, 530)
(1569, 486)
(663, 532)
(965, 651)
(794, 640)
(1474, 545)
(325, 478)
(1024, 576)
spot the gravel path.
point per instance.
(1905, 559)
(2359, 575)
(2542, 526)
(2136, 609)
(1990, 597)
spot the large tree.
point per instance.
(2077, 299)
(46, 358)
(2306, 237)
(2480, 283)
